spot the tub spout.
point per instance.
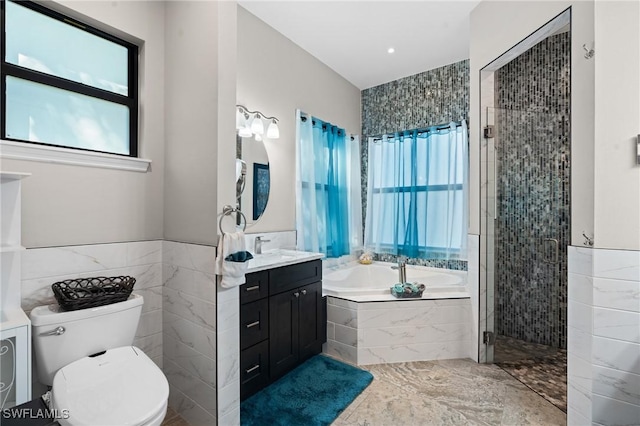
(402, 271)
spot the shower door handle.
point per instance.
(556, 251)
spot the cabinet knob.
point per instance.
(296, 294)
(304, 292)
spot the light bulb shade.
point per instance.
(240, 120)
(256, 125)
(272, 131)
(245, 132)
(258, 137)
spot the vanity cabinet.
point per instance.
(296, 326)
(282, 322)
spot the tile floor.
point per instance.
(541, 368)
(173, 419)
(452, 392)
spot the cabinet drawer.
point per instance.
(254, 323)
(254, 369)
(293, 276)
(256, 287)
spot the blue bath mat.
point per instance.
(315, 393)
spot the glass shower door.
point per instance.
(526, 228)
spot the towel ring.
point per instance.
(226, 211)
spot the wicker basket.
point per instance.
(83, 293)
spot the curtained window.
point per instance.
(418, 192)
(328, 205)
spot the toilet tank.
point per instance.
(86, 332)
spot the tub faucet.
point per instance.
(258, 246)
(402, 270)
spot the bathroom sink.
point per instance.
(272, 256)
(275, 255)
(279, 257)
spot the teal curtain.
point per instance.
(417, 193)
(322, 213)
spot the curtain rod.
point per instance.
(420, 131)
(303, 118)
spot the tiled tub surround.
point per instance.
(42, 267)
(604, 337)
(377, 328)
(436, 96)
(365, 333)
(189, 330)
(532, 99)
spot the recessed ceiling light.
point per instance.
(391, 50)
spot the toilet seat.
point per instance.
(120, 387)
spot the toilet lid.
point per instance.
(121, 387)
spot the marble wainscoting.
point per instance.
(142, 260)
(189, 330)
(228, 332)
(398, 331)
(604, 337)
(473, 287)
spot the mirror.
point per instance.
(252, 179)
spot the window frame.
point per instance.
(131, 101)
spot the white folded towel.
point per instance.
(232, 272)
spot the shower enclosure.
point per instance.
(526, 217)
(528, 210)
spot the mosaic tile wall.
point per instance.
(430, 98)
(437, 96)
(533, 154)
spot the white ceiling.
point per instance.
(352, 37)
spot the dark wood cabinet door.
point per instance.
(291, 277)
(283, 332)
(256, 287)
(254, 323)
(310, 313)
(254, 369)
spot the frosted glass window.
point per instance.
(44, 114)
(67, 83)
(41, 43)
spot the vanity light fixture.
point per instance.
(256, 125)
(272, 131)
(249, 123)
(245, 132)
(258, 137)
(241, 120)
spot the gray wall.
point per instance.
(276, 77)
(433, 97)
(70, 205)
(532, 97)
(191, 122)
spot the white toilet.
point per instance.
(97, 377)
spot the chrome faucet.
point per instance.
(258, 245)
(402, 270)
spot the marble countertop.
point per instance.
(276, 258)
